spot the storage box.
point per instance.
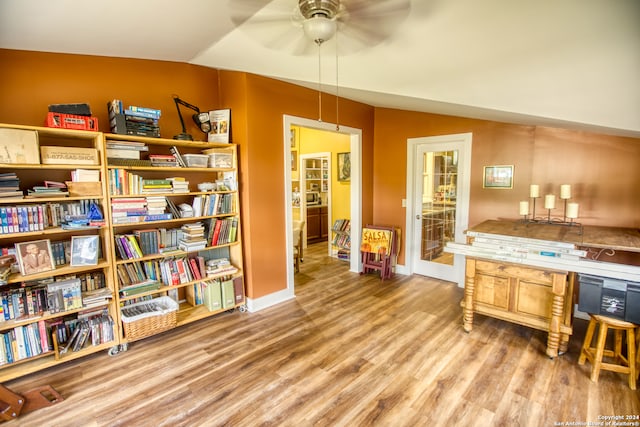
(52, 155)
(19, 146)
(72, 121)
(213, 296)
(147, 318)
(84, 188)
(195, 160)
(220, 157)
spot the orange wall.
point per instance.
(30, 81)
(604, 170)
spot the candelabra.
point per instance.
(570, 211)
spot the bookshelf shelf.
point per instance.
(194, 294)
(172, 270)
(29, 319)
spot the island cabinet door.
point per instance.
(492, 291)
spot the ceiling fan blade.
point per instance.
(364, 24)
(275, 24)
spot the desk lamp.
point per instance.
(201, 119)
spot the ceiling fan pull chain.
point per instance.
(337, 87)
(319, 82)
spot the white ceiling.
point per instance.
(568, 63)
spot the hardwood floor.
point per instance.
(350, 350)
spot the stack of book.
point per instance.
(10, 185)
(156, 186)
(140, 121)
(192, 238)
(220, 266)
(179, 184)
(125, 149)
(48, 189)
(163, 160)
(156, 205)
(128, 209)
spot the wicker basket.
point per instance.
(147, 318)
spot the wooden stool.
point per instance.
(625, 365)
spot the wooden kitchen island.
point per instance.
(538, 292)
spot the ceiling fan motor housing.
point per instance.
(314, 8)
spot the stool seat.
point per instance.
(625, 364)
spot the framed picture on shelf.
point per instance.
(35, 257)
(344, 167)
(294, 161)
(498, 177)
(294, 138)
(84, 250)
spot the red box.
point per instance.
(71, 121)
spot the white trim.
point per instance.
(257, 304)
(355, 264)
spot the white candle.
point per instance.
(549, 201)
(565, 191)
(524, 208)
(572, 210)
(534, 190)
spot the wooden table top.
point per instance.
(617, 238)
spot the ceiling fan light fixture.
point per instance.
(319, 28)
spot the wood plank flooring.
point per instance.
(350, 350)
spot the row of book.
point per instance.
(94, 330)
(123, 182)
(141, 276)
(342, 225)
(222, 231)
(342, 241)
(147, 242)
(23, 342)
(213, 204)
(35, 298)
(37, 217)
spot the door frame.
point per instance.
(355, 263)
(464, 140)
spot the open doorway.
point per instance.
(352, 191)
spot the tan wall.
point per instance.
(603, 170)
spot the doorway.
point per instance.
(438, 180)
(354, 190)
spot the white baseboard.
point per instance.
(267, 301)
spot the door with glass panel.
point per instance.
(440, 205)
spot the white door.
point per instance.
(438, 205)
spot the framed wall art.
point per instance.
(498, 177)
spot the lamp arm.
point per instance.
(179, 102)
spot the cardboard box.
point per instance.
(19, 146)
(52, 155)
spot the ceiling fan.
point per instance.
(297, 26)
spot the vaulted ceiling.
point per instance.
(567, 63)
